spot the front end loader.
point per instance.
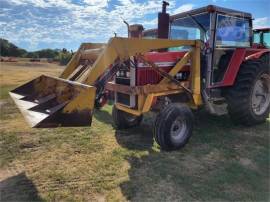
(202, 57)
(69, 100)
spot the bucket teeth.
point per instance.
(53, 102)
(32, 117)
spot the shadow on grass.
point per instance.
(221, 162)
(18, 188)
(139, 138)
(103, 116)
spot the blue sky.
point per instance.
(38, 24)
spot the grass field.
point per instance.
(222, 162)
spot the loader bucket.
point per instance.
(47, 102)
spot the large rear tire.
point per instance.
(249, 98)
(173, 127)
(123, 120)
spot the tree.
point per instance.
(9, 49)
(64, 57)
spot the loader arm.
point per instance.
(121, 49)
(86, 50)
(69, 100)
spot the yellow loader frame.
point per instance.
(123, 49)
(100, 57)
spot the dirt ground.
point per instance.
(222, 162)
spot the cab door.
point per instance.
(230, 33)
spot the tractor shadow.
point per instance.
(138, 138)
(221, 162)
(18, 188)
(103, 116)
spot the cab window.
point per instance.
(257, 37)
(190, 28)
(266, 39)
(232, 32)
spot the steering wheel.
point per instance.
(205, 48)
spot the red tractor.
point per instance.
(200, 58)
(234, 73)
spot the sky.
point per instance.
(39, 24)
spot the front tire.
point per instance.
(123, 120)
(249, 99)
(173, 127)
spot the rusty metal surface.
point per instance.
(53, 102)
(146, 89)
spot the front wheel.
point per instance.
(173, 126)
(123, 120)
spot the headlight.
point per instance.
(179, 75)
(127, 74)
(118, 73)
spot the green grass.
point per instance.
(4, 91)
(208, 168)
(221, 162)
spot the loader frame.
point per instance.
(64, 101)
(147, 93)
(121, 49)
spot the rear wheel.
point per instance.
(123, 120)
(173, 126)
(249, 99)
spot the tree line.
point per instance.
(8, 49)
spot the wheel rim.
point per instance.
(178, 130)
(261, 95)
(130, 118)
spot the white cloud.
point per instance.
(261, 22)
(183, 8)
(151, 23)
(62, 22)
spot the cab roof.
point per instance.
(212, 9)
(262, 29)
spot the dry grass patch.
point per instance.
(222, 162)
(12, 74)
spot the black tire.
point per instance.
(123, 120)
(239, 96)
(167, 123)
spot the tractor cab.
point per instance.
(261, 38)
(225, 35)
(221, 30)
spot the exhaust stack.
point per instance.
(163, 22)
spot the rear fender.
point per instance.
(230, 74)
(258, 54)
(239, 56)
